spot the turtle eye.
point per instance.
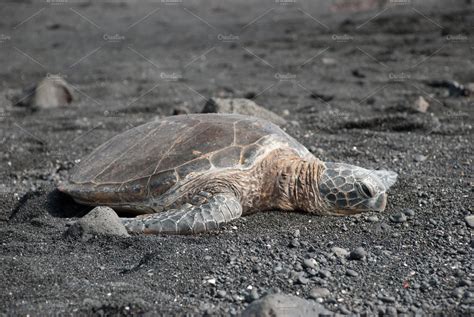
(365, 190)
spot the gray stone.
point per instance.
(358, 254)
(302, 280)
(51, 92)
(279, 305)
(419, 158)
(99, 221)
(340, 252)
(319, 292)
(221, 293)
(470, 221)
(351, 273)
(409, 212)
(241, 106)
(309, 263)
(398, 217)
(372, 219)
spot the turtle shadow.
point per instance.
(61, 205)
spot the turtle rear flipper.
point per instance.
(188, 219)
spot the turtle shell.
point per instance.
(149, 160)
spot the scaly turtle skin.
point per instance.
(192, 173)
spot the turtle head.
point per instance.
(347, 189)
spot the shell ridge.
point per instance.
(167, 152)
(125, 152)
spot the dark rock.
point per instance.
(387, 299)
(241, 106)
(358, 254)
(409, 212)
(455, 89)
(279, 305)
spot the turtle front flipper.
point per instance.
(188, 219)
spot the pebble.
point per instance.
(470, 221)
(421, 105)
(303, 280)
(409, 212)
(309, 263)
(351, 273)
(340, 252)
(391, 311)
(221, 293)
(294, 243)
(296, 233)
(398, 217)
(387, 299)
(358, 254)
(319, 292)
(325, 273)
(372, 219)
(419, 158)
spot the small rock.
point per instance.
(324, 273)
(296, 233)
(358, 254)
(419, 158)
(179, 110)
(302, 280)
(351, 273)
(309, 263)
(464, 282)
(340, 252)
(51, 92)
(387, 299)
(279, 305)
(470, 221)
(221, 293)
(100, 220)
(319, 292)
(211, 281)
(391, 311)
(294, 243)
(455, 89)
(409, 212)
(421, 105)
(398, 217)
(373, 219)
(252, 296)
(241, 106)
(207, 257)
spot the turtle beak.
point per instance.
(388, 178)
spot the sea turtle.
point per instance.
(192, 173)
